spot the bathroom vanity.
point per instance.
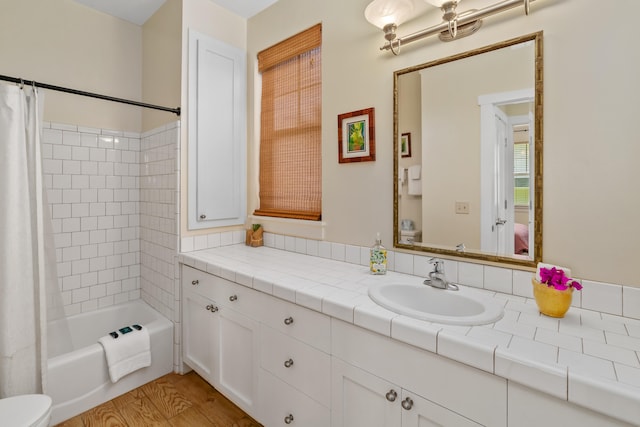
(294, 339)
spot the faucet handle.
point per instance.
(439, 264)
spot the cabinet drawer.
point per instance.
(297, 364)
(301, 323)
(198, 281)
(237, 297)
(284, 406)
(224, 292)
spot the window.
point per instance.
(521, 167)
(290, 174)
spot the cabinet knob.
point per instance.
(288, 320)
(288, 363)
(233, 298)
(391, 395)
(203, 216)
(407, 403)
(195, 282)
(288, 419)
(212, 308)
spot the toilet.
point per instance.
(409, 237)
(27, 410)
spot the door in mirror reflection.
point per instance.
(507, 216)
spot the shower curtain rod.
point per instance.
(89, 94)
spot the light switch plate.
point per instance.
(462, 207)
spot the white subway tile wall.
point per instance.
(159, 210)
(114, 203)
(92, 177)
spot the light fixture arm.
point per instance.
(460, 21)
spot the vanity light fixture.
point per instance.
(388, 14)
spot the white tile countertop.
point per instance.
(589, 358)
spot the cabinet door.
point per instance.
(236, 358)
(217, 133)
(419, 412)
(199, 323)
(360, 399)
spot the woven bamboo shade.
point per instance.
(290, 132)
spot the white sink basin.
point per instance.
(453, 307)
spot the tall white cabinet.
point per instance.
(216, 133)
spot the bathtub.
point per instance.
(78, 376)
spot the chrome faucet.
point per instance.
(437, 278)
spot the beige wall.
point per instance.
(591, 200)
(162, 63)
(591, 68)
(65, 44)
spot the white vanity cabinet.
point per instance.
(371, 365)
(361, 399)
(220, 342)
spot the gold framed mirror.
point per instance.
(468, 154)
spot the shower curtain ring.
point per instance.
(21, 84)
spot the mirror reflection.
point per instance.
(467, 179)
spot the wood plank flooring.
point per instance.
(170, 401)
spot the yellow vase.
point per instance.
(551, 302)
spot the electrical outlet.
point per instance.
(462, 207)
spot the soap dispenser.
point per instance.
(378, 257)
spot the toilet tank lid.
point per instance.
(24, 410)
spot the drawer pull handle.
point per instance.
(288, 419)
(195, 282)
(288, 320)
(233, 298)
(212, 308)
(407, 403)
(288, 363)
(203, 216)
(391, 395)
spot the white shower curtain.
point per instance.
(28, 275)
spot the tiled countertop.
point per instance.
(588, 358)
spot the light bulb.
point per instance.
(384, 12)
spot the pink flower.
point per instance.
(555, 277)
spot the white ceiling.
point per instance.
(138, 11)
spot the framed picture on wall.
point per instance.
(405, 144)
(356, 136)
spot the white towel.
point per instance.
(127, 353)
(415, 182)
(414, 171)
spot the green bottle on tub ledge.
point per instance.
(378, 257)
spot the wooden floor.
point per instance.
(173, 400)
